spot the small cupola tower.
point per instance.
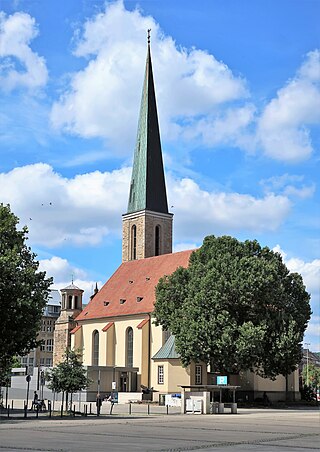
(147, 225)
(71, 306)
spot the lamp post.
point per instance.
(307, 344)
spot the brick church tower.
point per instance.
(71, 306)
(147, 225)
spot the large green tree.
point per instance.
(23, 291)
(236, 307)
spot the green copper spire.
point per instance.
(148, 188)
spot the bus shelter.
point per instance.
(199, 398)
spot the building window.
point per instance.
(160, 375)
(50, 345)
(198, 375)
(41, 361)
(48, 362)
(157, 241)
(129, 347)
(134, 242)
(69, 302)
(42, 346)
(95, 348)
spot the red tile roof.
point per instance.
(75, 329)
(142, 323)
(134, 282)
(108, 325)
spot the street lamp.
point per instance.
(307, 344)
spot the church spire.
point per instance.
(148, 189)
(147, 225)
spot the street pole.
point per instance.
(307, 344)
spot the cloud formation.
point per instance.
(62, 272)
(16, 33)
(104, 96)
(282, 127)
(86, 208)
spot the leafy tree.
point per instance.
(69, 376)
(311, 376)
(23, 291)
(236, 307)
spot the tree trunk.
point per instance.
(67, 394)
(287, 388)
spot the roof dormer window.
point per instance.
(139, 299)
(122, 300)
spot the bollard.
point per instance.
(49, 408)
(86, 410)
(90, 409)
(74, 411)
(61, 410)
(148, 408)
(167, 409)
(129, 407)
(11, 404)
(8, 411)
(37, 411)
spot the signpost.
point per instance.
(28, 379)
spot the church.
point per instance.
(121, 346)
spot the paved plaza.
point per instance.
(250, 429)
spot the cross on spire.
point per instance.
(149, 30)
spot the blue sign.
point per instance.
(114, 397)
(222, 380)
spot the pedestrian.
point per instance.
(265, 399)
(98, 403)
(35, 400)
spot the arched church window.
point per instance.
(76, 302)
(157, 241)
(129, 342)
(134, 242)
(69, 302)
(63, 301)
(95, 348)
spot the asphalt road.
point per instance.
(251, 430)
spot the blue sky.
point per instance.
(238, 91)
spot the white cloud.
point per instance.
(102, 99)
(289, 185)
(221, 212)
(229, 127)
(57, 210)
(310, 272)
(16, 33)
(63, 272)
(282, 127)
(86, 208)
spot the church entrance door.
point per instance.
(123, 382)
